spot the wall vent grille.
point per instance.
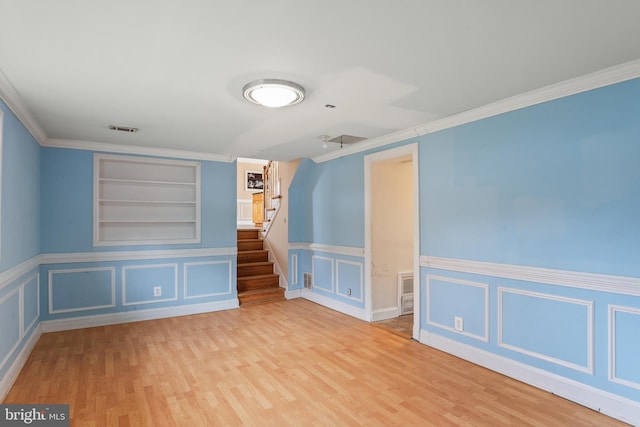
(308, 282)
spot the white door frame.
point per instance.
(409, 149)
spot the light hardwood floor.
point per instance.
(287, 363)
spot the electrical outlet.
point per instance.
(348, 291)
(157, 291)
(458, 324)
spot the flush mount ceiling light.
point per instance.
(273, 93)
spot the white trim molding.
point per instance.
(7, 277)
(296, 293)
(369, 160)
(9, 95)
(612, 344)
(385, 313)
(313, 273)
(294, 270)
(10, 376)
(136, 315)
(112, 270)
(215, 294)
(333, 304)
(3, 300)
(282, 275)
(103, 256)
(589, 368)
(330, 249)
(136, 150)
(573, 279)
(35, 320)
(610, 404)
(606, 77)
(483, 286)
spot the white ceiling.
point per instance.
(176, 69)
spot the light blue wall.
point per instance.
(118, 285)
(20, 193)
(327, 202)
(20, 238)
(67, 204)
(555, 186)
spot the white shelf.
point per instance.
(146, 221)
(138, 181)
(144, 202)
(141, 201)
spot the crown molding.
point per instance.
(369, 144)
(10, 97)
(602, 78)
(252, 161)
(598, 79)
(134, 149)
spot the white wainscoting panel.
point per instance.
(360, 283)
(24, 284)
(188, 265)
(150, 266)
(244, 211)
(294, 270)
(589, 329)
(613, 376)
(6, 300)
(52, 273)
(322, 259)
(485, 336)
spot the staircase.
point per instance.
(257, 283)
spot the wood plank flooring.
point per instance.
(290, 363)
(402, 325)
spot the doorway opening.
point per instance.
(392, 240)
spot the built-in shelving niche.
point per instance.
(142, 201)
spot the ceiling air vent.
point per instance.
(123, 128)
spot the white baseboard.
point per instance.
(607, 403)
(136, 316)
(296, 293)
(14, 370)
(386, 313)
(335, 305)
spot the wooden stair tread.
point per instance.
(258, 276)
(256, 283)
(271, 290)
(256, 263)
